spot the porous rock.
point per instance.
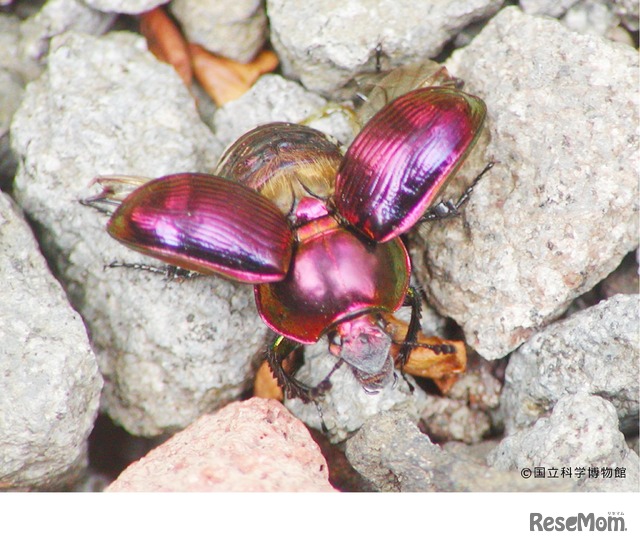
(169, 351)
(324, 43)
(560, 210)
(624, 280)
(593, 15)
(391, 453)
(596, 17)
(54, 18)
(465, 413)
(49, 379)
(595, 351)
(274, 98)
(12, 90)
(248, 446)
(124, 6)
(9, 37)
(581, 432)
(629, 12)
(346, 406)
(236, 30)
(552, 8)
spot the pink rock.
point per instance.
(248, 446)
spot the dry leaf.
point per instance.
(166, 42)
(265, 386)
(424, 361)
(225, 80)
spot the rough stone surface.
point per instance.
(236, 30)
(49, 379)
(465, 413)
(10, 97)
(169, 351)
(124, 6)
(248, 446)
(54, 18)
(552, 8)
(560, 210)
(347, 406)
(598, 16)
(274, 98)
(582, 431)
(9, 37)
(324, 43)
(595, 351)
(592, 16)
(624, 280)
(394, 456)
(629, 12)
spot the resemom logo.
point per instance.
(581, 522)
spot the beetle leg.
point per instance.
(325, 384)
(171, 272)
(278, 350)
(436, 348)
(378, 58)
(449, 209)
(411, 299)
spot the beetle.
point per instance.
(317, 233)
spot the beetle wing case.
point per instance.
(206, 224)
(397, 165)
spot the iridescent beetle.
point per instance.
(316, 232)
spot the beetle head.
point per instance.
(362, 344)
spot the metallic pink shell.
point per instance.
(395, 168)
(206, 224)
(335, 274)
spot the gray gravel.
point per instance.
(49, 380)
(516, 271)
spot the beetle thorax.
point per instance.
(334, 275)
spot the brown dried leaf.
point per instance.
(265, 386)
(443, 369)
(225, 80)
(166, 42)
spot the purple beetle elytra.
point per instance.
(316, 232)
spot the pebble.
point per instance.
(169, 351)
(594, 351)
(248, 446)
(324, 44)
(49, 378)
(559, 210)
(537, 242)
(235, 30)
